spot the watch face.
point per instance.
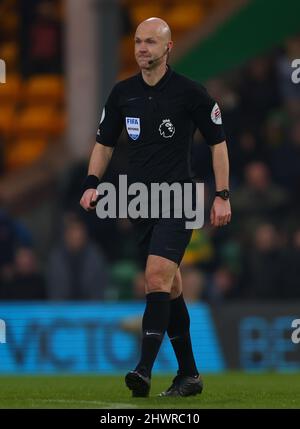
(226, 194)
(223, 194)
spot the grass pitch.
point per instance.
(228, 390)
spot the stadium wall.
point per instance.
(257, 336)
(105, 338)
(97, 338)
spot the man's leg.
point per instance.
(188, 381)
(179, 329)
(159, 276)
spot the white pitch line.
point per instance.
(102, 404)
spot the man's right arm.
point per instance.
(109, 130)
(99, 161)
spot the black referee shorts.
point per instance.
(163, 237)
(166, 237)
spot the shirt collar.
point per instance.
(161, 83)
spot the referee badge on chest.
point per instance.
(133, 127)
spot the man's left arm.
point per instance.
(220, 213)
(206, 114)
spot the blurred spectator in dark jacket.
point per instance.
(273, 138)
(222, 286)
(246, 151)
(262, 266)
(259, 198)
(258, 92)
(77, 269)
(12, 234)
(27, 282)
(285, 161)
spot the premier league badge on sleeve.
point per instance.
(216, 115)
(133, 127)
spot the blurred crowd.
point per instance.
(255, 257)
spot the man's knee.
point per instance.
(159, 274)
(156, 282)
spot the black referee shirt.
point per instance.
(160, 121)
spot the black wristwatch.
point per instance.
(224, 194)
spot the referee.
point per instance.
(161, 110)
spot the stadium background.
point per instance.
(71, 286)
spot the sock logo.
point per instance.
(152, 333)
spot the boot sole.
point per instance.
(139, 388)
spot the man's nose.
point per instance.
(143, 48)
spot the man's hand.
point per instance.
(220, 213)
(89, 199)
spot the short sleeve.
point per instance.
(111, 122)
(206, 115)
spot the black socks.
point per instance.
(155, 324)
(179, 333)
(163, 315)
